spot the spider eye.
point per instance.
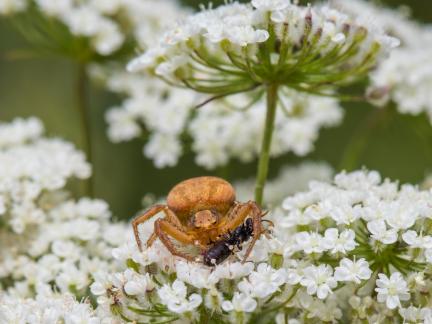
(204, 218)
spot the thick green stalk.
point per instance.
(263, 163)
(84, 116)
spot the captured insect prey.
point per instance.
(199, 212)
(221, 250)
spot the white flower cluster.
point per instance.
(290, 180)
(406, 79)
(46, 308)
(367, 232)
(394, 22)
(406, 76)
(31, 166)
(107, 24)
(219, 131)
(20, 131)
(47, 239)
(238, 46)
(66, 250)
(152, 111)
(358, 249)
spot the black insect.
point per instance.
(222, 249)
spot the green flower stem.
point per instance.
(263, 163)
(84, 115)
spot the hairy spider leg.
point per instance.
(164, 229)
(238, 216)
(257, 231)
(242, 212)
(156, 209)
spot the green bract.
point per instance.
(237, 47)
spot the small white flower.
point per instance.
(175, 297)
(346, 214)
(137, 284)
(343, 242)
(164, 149)
(241, 302)
(400, 215)
(266, 280)
(167, 68)
(310, 242)
(392, 290)
(194, 274)
(232, 270)
(356, 271)
(411, 314)
(417, 241)
(381, 233)
(319, 280)
(270, 5)
(245, 35)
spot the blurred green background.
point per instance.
(401, 148)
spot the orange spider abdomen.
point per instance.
(202, 193)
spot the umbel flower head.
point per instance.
(90, 29)
(267, 46)
(47, 307)
(406, 79)
(218, 132)
(49, 242)
(354, 250)
(238, 47)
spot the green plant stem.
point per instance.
(263, 163)
(84, 116)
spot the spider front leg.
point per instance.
(163, 229)
(153, 211)
(257, 231)
(238, 216)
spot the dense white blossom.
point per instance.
(165, 117)
(372, 267)
(47, 308)
(236, 29)
(220, 132)
(19, 131)
(406, 78)
(240, 50)
(47, 238)
(31, 167)
(108, 25)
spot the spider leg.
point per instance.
(151, 239)
(257, 231)
(242, 212)
(164, 229)
(169, 214)
(233, 210)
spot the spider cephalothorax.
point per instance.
(200, 211)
